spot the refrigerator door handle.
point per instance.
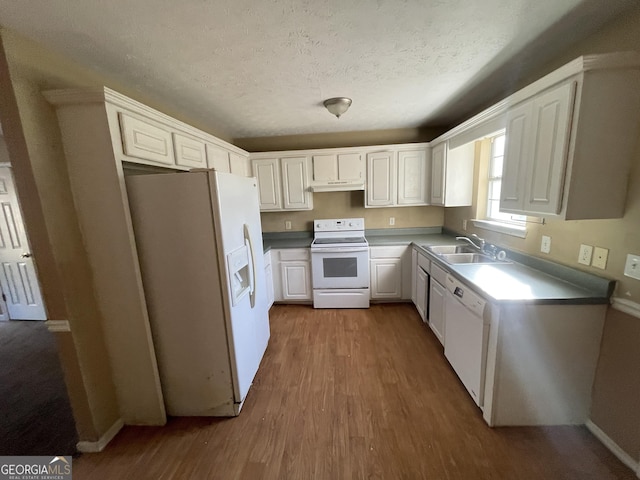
(252, 291)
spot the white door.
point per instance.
(381, 179)
(516, 157)
(295, 183)
(18, 279)
(266, 171)
(386, 278)
(546, 173)
(438, 159)
(412, 177)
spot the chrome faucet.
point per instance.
(473, 235)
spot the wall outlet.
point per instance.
(464, 225)
(287, 224)
(584, 257)
(392, 220)
(600, 257)
(545, 245)
(632, 266)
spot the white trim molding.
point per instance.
(103, 441)
(623, 456)
(58, 325)
(627, 306)
(500, 227)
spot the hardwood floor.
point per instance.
(350, 394)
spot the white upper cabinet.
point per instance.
(283, 183)
(381, 179)
(143, 139)
(295, 184)
(218, 158)
(398, 177)
(267, 173)
(571, 138)
(412, 177)
(336, 169)
(537, 139)
(190, 152)
(452, 175)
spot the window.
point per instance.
(495, 183)
(490, 216)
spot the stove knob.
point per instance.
(317, 225)
(351, 224)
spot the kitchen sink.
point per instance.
(449, 249)
(456, 258)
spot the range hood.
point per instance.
(337, 186)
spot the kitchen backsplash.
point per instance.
(351, 204)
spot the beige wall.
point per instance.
(348, 205)
(616, 392)
(35, 151)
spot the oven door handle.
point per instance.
(323, 250)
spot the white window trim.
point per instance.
(519, 231)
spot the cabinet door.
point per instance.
(239, 164)
(516, 157)
(421, 294)
(350, 167)
(296, 280)
(386, 278)
(437, 309)
(438, 165)
(266, 172)
(190, 152)
(412, 177)
(414, 275)
(218, 158)
(381, 179)
(324, 168)
(295, 184)
(550, 142)
(268, 274)
(143, 140)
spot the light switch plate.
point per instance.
(600, 257)
(632, 266)
(287, 224)
(584, 257)
(545, 245)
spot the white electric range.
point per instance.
(340, 263)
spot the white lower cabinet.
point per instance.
(421, 293)
(268, 276)
(291, 268)
(390, 271)
(437, 296)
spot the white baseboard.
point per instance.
(103, 441)
(623, 456)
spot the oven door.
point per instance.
(340, 267)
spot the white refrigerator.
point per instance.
(199, 242)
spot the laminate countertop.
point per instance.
(524, 279)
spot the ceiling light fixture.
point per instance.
(338, 105)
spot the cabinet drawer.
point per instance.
(290, 254)
(395, 251)
(189, 151)
(146, 141)
(424, 263)
(439, 274)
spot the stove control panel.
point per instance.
(338, 224)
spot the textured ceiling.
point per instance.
(253, 68)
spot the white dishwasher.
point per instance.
(466, 336)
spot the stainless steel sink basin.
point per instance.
(456, 258)
(449, 249)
